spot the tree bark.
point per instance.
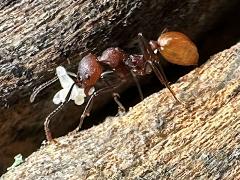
(158, 138)
(36, 36)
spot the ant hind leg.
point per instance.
(151, 59)
(137, 84)
(162, 79)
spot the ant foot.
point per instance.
(48, 142)
(54, 141)
(75, 131)
(121, 111)
(50, 139)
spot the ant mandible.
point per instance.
(175, 47)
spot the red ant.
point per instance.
(173, 46)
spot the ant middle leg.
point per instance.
(89, 105)
(121, 108)
(116, 96)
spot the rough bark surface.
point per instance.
(158, 138)
(36, 36)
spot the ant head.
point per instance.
(138, 64)
(89, 71)
(114, 57)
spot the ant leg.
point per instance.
(52, 114)
(162, 79)
(121, 108)
(160, 68)
(151, 59)
(104, 75)
(164, 30)
(149, 55)
(137, 84)
(88, 107)
(47, 121)
(144, 46)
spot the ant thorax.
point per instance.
(77, 93)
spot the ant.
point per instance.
(175, 47)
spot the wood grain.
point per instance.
(157, 138)
(37, 36)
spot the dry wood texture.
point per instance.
(158, 138)
(36, 36)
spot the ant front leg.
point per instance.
(47, 122)
(52, 114)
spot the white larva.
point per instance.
(77, 94)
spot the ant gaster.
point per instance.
(173, 46)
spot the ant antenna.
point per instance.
(41, 87)
(46, 84)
